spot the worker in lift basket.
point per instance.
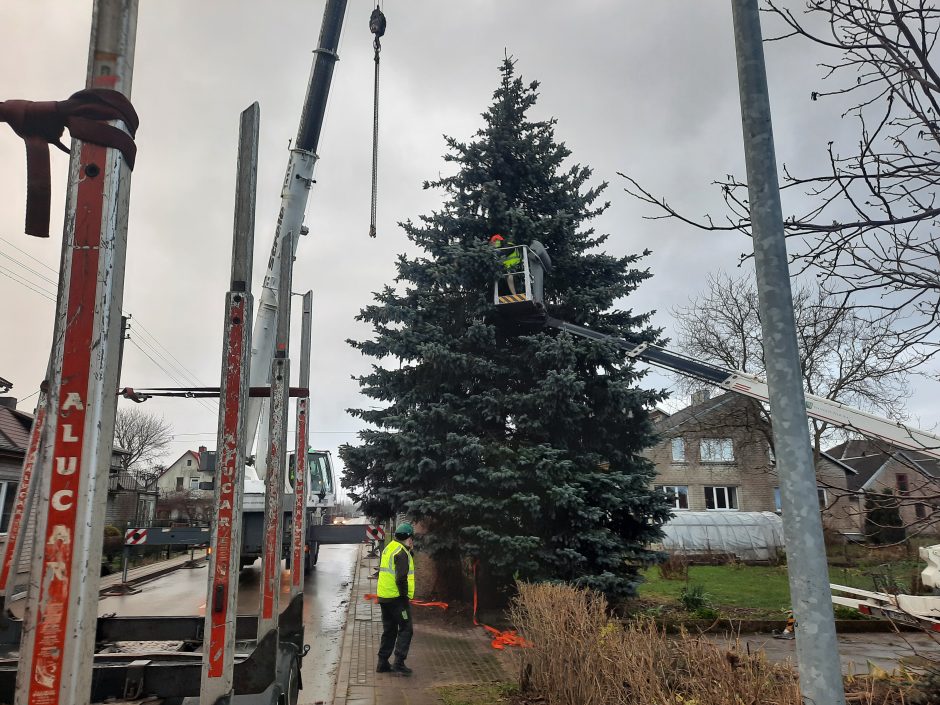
(396, 589)
(513, 259)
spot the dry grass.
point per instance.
(579, 656)
(675, 567)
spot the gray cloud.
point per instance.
(646, 88)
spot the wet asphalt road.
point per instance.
(326, 594)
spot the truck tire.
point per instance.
(293, 685)
(310, 557)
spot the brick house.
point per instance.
(911, 476)
(180, 487)
(716, 455)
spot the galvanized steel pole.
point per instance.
(817, 648)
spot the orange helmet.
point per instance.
(497, 238)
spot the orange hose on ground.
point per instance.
(500, 639)
(372, 597)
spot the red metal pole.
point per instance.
(219, 645)
(276, 454)
(24, 499)
(300, 453)
(57, 652)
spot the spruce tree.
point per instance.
(520, 452)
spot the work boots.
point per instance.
(400, 667)
(383, 667)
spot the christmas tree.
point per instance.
(520, 452)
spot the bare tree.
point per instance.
(143, 435)
(845, 356)
(185, 505)
(868, 229)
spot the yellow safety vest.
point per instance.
(387, 586)
(513, 258)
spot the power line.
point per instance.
(37, 261)
(171, 375)
(28, 268)
(19, 279)
(182, 370)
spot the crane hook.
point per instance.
(377, 27)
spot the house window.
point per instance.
(678, 450)
(716, 450)
(678, 494)
(179, 484)
(194, 483)
(821, 497)
(721, 498)
(903, 485)
(920, 510)
(7, 500)
(189, 462)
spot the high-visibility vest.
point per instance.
(513, 258)
(387, 586)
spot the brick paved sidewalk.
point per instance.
(440, 654)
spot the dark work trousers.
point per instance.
(396, 630)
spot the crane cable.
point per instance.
(377, 27)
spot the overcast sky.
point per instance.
(648, 88)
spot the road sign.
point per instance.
(135, 537)
(374, 532)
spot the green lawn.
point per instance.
(755, 587)
(763, 589)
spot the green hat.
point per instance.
(404, 530)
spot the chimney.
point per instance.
(202, 449)
(8, 402)
(700, 396)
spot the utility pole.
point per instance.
(57, 650)
(817, 649)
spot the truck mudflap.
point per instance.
(337, 533)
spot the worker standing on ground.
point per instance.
(396, 589)
(513, 259)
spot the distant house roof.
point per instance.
(193, 453)
(664, 423)
(869, 458)
(695, 412)
(14, 429)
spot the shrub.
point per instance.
(843, 612)
(578, 655)
(706, 613)
(675, 567)
(693, 597)
(883, 522)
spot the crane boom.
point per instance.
(827, 410)
(297, 183)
